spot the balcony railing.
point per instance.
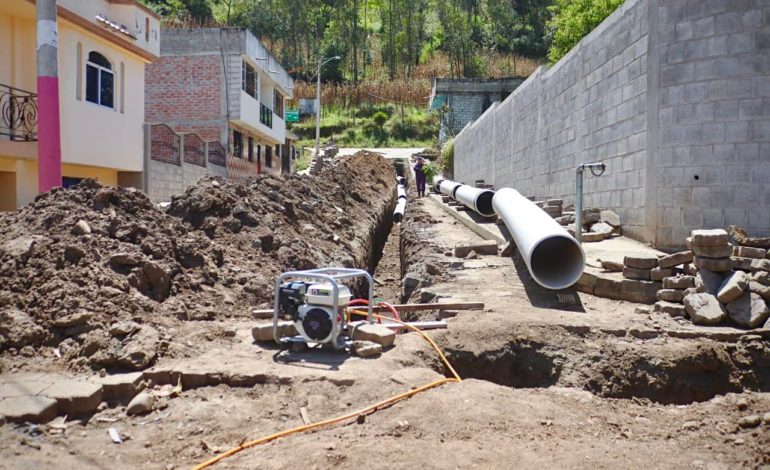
(18, 114)
(265, 115)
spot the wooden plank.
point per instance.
(268, 313)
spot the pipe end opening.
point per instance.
(557, 262)
(484, 203)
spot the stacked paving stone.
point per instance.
(727, 282)
(638, 285)
(672, 270)
(553, 207)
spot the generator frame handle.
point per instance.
(331, 275)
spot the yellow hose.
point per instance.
(355, 414)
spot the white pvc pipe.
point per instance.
(401, 192)
(480, 200)
(398, 213)
(448, 188)
(554, 258)
(437, 184)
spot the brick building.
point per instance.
(224, 86)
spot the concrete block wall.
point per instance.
(661, 91)
(713, 104)
(164, 180)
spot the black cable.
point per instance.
(601, 171)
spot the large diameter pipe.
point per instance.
(480, 200)
(553, 257)
(401, 192)
(448, 188)
(398, 213)
(437, 184)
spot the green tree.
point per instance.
(573, 20)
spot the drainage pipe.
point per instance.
(480, 200)
(401, 191)
(437, 184)
(398, 213)
(554, 259)
(448, 188)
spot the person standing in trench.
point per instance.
(419, 177)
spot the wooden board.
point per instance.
(268, 313)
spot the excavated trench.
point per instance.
(667, 370)
(676, 371)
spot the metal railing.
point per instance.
(18, 114)
(194, 150)
(172, 147)
(265, 115)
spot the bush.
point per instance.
(380, 118)
(574, 19)
(448, 156)
(430, 170)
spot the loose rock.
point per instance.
(715, 237)
(81, 228)
(141, 404)
(748, 310)
(671, 295)
(366, 348)
(636, 273)
(704, 309)
(641, 262)
(375, 333)
(708, 281)
(675, 259)
(678, 282)
(713, 264)
(724, 251)
(612, 266)
(658, 274)
(749, 252)
(733, 286)
(751, 421)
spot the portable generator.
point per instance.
(316, 301)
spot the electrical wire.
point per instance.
(364, 411)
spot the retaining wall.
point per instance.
(673, 95)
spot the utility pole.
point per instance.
(321, 63)
(48, 131)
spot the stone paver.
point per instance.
(34, 409)
(119, 386)
(74, 397)
(11, 387)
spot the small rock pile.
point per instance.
(724, 282)
(598, 224)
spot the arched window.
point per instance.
(100, 80)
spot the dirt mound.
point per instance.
(102, 275)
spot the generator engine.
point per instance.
(311, 307)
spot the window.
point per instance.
(69, 181)
(268, 156)
(278, 104)
(251, 149)
(100, 81)
(249, 80)
(237, 144)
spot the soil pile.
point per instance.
(102, 274)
